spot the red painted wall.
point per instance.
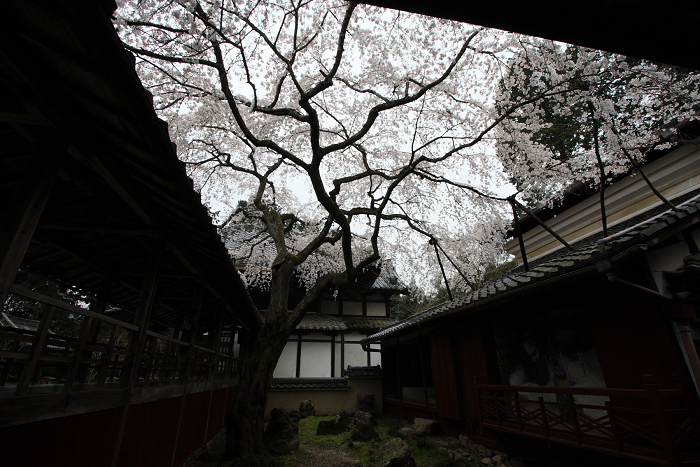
(149, 440)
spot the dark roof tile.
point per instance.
(559, 264)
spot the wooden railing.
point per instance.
(99, 356)
(650, 424)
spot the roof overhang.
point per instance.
(663, 31)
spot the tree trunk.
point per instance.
(244, 421)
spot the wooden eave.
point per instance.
(121, 192)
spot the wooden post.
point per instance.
(518, 410)
(197, 307)
(24, 208)
(88, 333)
(129, 373)
(107, 359)
(191, 363)
(332, 355)
(543, 412)
(37, 349)
(478, 405)
(142, 319)
(216, 343)
(298, 368)
(613, 426)
(574, 418)
(657, 409)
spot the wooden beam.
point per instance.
(19, 221)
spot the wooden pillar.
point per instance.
(298, 369)
(137, 343)
(37, 348)
(332, 355)
(192, 354)
(342, 353)
(197, 308)
(216, 343)
(24, 209)
(691, 351)
(142, 318)
(88, 333)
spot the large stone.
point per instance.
(365, 401)
(333, 427)
(406, 432)
(306, 409)
(395, 453)
(364, 419)
(425, 427)
(282, 433)
(364, 433)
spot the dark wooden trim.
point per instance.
(340, 306)
(333, 356)
(298, 364)
(24, 209)
(342, 352)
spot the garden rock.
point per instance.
(364, 433)
(364, 419)
(306, 409)
(282, 433)
(333, 427)
(406, 432)
(425, 427)
(396, 454)
(365, 401)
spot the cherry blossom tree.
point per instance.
(602, 115)
(352, 132)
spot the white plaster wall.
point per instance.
(674, 174)
(329, 307)
(352, 308)
(375, 357)
(315, 360)
(287, 364)
(354, 355)
(376, 309)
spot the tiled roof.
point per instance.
(581, 257)
(363, 371)
(18, 323)
(237, 237)
(389, 280)
(362, 322)
(322, 322)
(310, 384)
